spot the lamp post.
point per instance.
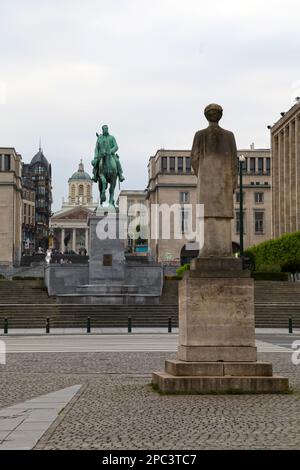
(242, 159)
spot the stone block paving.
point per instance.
(116, 409)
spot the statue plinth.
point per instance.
(217, 352)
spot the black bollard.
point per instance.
(5, 326)
(88, 326)
(47, 325)
(290, 325)
(129, 325)
(169, 325)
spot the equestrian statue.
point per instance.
(106, 165)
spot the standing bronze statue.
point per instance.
(106, 165)
(214, 160)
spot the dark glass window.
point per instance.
(184, 197)
(259, 222)
(172, 163)
(7, 166)
(237, 222)
(252, 165)
(268, 166)
(164, 164)
(260, 167)
(258, 198)
(188, 164)
(237, 197)
(180, 164)
(244, 166)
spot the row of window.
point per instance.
(176, 164)
(259, 222)
(28, 195)
(257, 166)
(28, 214)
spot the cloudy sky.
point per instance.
(147, 69)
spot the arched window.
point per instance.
(73, 193)
(88, 193)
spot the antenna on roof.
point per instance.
(40, 144)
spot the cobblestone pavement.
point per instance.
(116, 409)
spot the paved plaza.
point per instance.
(113, 406)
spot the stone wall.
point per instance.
(63, 279)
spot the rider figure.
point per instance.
(106, 144)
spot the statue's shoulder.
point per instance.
(225, 131)
(200, 133)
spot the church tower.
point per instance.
(80, 188)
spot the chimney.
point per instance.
(252, 146)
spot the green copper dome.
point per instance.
(80, 174)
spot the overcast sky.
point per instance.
(145, 68)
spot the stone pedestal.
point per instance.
(107, 260)
(217, 350)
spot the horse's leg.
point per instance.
(102, 189)
(112, 190)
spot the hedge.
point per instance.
(283, 252)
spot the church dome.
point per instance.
(80, 174)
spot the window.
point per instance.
(73, 193)
(188, 164)
(259, 222)
(258, 198)
(252, 165)
(41, 190)
(268, 166)
(260, 166)
(237, 197)
(164, 164)
(184, 197)
(88, 193)
(172, 164)
(6, 163)
(244, 166)
(184, 220)
(180, 164)
(237, 222)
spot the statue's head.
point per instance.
(213, 112)
(105, 129)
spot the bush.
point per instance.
(180, 271)
(283, 251)
(29, 278)
(270, 276)
(270, 268)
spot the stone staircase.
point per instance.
(24, 292)
(75, 316)
(275, 303)
(26, 304)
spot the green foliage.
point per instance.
(270, 268)
(182, 269)
(29, 278)
(270, 276)
(283, 251)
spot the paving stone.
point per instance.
(116, 408)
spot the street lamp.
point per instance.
(242, 159)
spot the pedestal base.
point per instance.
(217, 352)
(219, 377)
